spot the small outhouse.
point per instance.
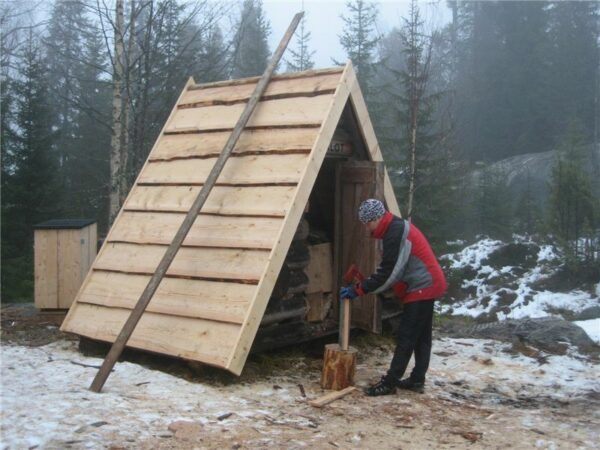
(64, 250)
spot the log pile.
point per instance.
(288, 299)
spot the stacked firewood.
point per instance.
(288, 299)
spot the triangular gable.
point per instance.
(210, 304)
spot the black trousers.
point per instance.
(413, 336)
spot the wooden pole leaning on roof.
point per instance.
(137, 312)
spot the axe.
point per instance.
(352, 275)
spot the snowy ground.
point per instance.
(479, 394)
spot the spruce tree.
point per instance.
(31, 191)
(214, 57)
(528, 213)
(64, 50)
(493, 205)
(10, 248)
(411, 103)
(91, 176)
(573, 66)
(301, 56)
(77, 67)
(250, 44)
(572, 206)
(522, 71)
(359, 39)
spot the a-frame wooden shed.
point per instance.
(309, 150)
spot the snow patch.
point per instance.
(592, 328)
(542, 303)
(473, 254)
(510, 291)
(547, 253)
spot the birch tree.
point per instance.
(116, 142)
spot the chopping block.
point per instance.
(339, 367)
(339, 361)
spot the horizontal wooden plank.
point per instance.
(294, 86)
(195, 339)
(241, 170)
(288, 112)
(279, 76)
(207, 230)
(209, 263)
(247, 200)
(225, 302)
(172, 146)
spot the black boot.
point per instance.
(410, 385)
(385, 386)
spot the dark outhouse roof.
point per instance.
(58, 224)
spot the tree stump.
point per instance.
(338, 367)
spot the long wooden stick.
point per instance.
(137, 312)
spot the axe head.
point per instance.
(353, 274)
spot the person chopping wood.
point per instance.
(411, 271)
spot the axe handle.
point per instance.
(345, 324)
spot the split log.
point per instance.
(318, 305)
(339, 367)
(290, 302)
(298, 282)
(328, 398)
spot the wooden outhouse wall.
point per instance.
(62, 259)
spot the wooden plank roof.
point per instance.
(210, 304)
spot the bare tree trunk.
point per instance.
(419, 64)
(116, 167)
(142, 117)
(413, 168)
(125, 149)
(413, 108)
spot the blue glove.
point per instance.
(348, 292)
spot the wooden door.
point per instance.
(357, 181)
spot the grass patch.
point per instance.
(364, 340)
(448, 321)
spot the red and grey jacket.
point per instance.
(408, 265)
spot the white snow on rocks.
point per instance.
(516, 299)
(473, 254)
(591, 327)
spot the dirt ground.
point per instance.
(452, 413)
